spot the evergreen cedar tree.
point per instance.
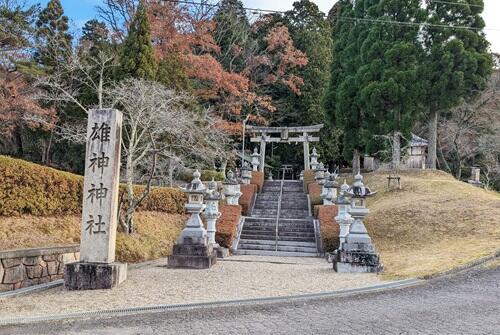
(386, 77)
(137, 59)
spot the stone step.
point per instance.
(272, 237)
(282, 234)
(281, 226)
(280, 243)
(248, 246)
(274, 253)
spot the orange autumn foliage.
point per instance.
(189, 37)
(17, 107)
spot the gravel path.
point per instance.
(467, 303)
(235, 278)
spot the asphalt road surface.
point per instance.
(467, 303)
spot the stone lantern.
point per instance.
(255, 160)
(301, 176)
(192, 249)
(232, 191)
(319, 174)
(343, 218)
(246, 174)
(314, 159)
(329, 194)
(357, 253)
(211, 213)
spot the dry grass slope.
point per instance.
(432, 224)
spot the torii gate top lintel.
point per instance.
(284, 138)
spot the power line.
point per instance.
(357, 19)
(457, 3)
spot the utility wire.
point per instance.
(357, 19)
(457, 3)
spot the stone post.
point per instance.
(314, 159)
(231, 189)
(343, 218)
(357, 253)
(255, 160)
(97, 268)
(369, 163)
(475, 178)
(246, 174)
(301, 176)
(192, 249)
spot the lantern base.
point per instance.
(356, 262)
(192, 256)
(222, 252)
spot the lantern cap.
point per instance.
(230, 179)
(255, 153)
(195, 186)
(314, 153)
(359, 189)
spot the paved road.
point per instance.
(468, 303)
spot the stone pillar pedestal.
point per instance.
(94, 276)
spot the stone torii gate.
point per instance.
(264, 136)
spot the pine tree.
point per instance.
(53, 39)
(137, 55)
(457, 64)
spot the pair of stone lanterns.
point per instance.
(356, 252)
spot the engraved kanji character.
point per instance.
(98, 193)
(95, 227)
(102, 132)
(100, 162)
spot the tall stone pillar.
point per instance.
(306, 152)
(212, 214)
(97, 268)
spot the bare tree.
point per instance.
(157, 122)
(118, 14)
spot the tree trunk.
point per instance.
(223, 167)
(129, 176)
(355, 162)
(396, 150)
(432, 155)
(170, 172)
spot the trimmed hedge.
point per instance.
(258, 179)
(28, 188)
(247, 194)
(206, 175)
(314, 190)
(308, 179)
(227, 226)
(329, 228)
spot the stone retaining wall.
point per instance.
(27, 267)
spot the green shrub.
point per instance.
(28, 188)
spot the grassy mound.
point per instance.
(434, 223)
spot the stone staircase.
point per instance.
(295, 235)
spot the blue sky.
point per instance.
(80, 11)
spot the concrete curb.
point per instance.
(32, 289)
(464, 267)
(214, 304)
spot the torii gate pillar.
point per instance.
(306, 152)
(262, 153)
